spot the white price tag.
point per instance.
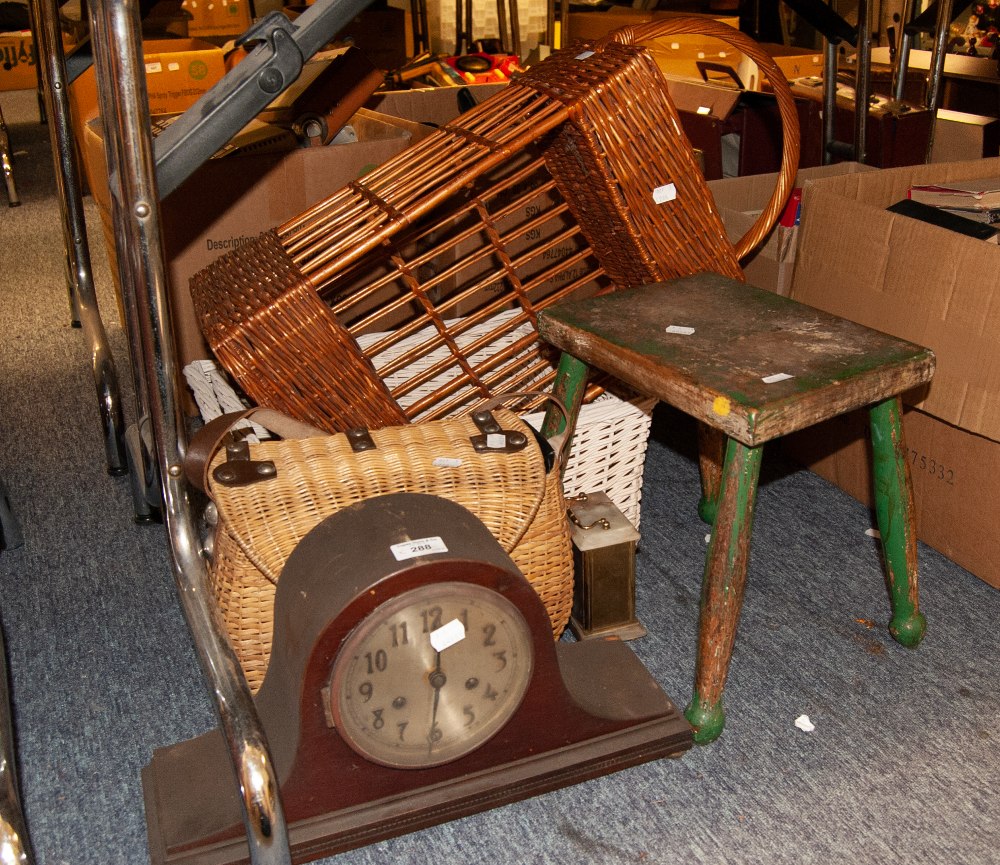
(778, 376)
(681, 329)
(420, 547)
(448, 635)
(151, 68)
(665, 193)
(446, 462)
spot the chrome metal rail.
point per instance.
(79, 276)
(135, 211)
(15, 846)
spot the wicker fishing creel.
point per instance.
(516, 496)
(577, 177)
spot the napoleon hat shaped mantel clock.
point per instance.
(413, 679)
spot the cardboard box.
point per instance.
(793, 63)
(959, 136)
(703, 99)
(19, 66)
(594, 25)
(681, 54)
(18, 62)
(178, 72)
(222, 18)
(740, 201)
(232, 200)
(429, 106)
(708, 59)
(956, 481)
(936, 288)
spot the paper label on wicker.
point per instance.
(665, 193)
(420, 547)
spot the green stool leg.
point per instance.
(894, 512)
(569, 387)
(722, 587)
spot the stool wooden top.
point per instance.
(745, 361)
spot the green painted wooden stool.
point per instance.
(750, 366)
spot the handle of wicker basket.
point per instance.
(641, 33)
(206, 442)
(560, 441)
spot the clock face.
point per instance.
(430, 675)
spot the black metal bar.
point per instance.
(929, 20)
(828, 23)
(280, 48)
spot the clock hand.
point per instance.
(441, 638)
(437, 681)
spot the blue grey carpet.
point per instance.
(902, 765)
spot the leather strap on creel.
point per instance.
(206, 442)
(642, 33)
(560, 441)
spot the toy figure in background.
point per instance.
(979, 35)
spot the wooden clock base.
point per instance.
(638, 723)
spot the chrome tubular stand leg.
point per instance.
(147, 493)
(15, 846)
(7, 164)
(829, 100)
(902, 60)
(10, 530)
(83, 297)
(122, 92)
(515, 30)
(937, 65)
(502, 26)
(862, 80)
(40, 87)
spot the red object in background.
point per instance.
(484, 68)
(793, 209)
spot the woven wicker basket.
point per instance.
(575, 178)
